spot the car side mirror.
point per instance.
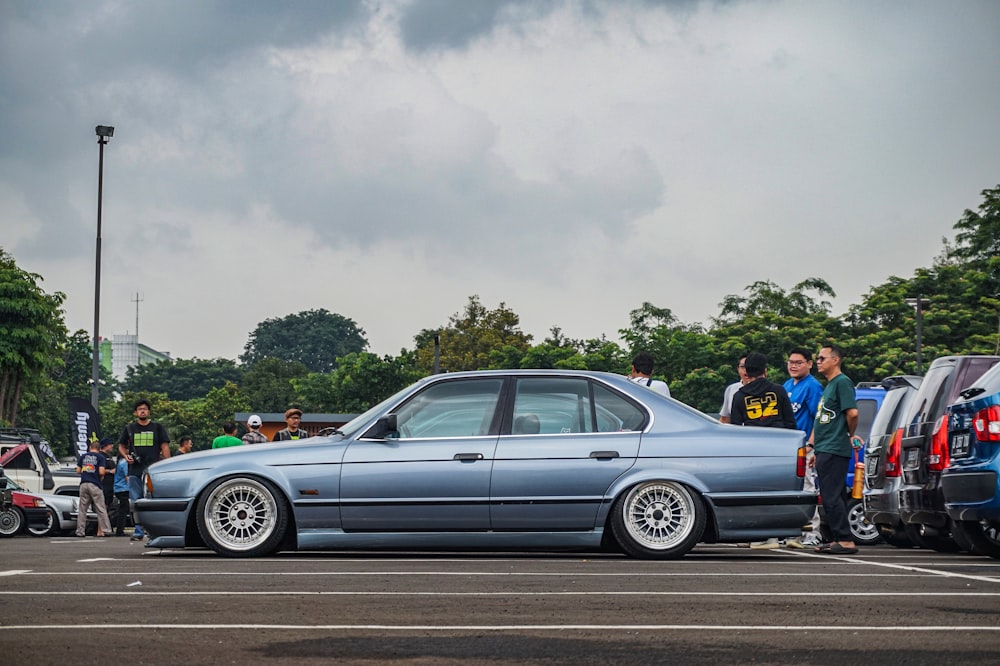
(384, 428)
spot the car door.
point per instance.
(567, 441)
(434, 473)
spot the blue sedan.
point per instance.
(537, 459)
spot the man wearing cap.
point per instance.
(254, 435)
(292, 417)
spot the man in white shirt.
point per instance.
(642, 370)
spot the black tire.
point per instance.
(51, 526)
(895, 537)
(963, 542)
(985, 538)
(658, 520)
(941, 544)
(242, 517)
(11, 521)
(865, 533)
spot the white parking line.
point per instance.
(904, 567)
(15, 572)
(506, 627)
(365, 593)
(484, 574)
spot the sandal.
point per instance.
(836, 549)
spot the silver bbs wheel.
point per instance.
(659, 515)
(658, 519)
(240, 515)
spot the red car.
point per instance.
(18, 509)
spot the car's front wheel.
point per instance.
(242, 517)
(658, 520)
(51, 526)
(11, 521)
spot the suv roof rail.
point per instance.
(901, 380)
(19, 432)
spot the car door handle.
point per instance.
(468, 456)
(604, 454)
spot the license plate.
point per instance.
(871, 465)
(912, 459)
(960, 445)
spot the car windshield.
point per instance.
(350, 428)
(9, 484)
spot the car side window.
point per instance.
(461, 408)
(563, 405)
(615, 413)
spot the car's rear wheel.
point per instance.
(895, 537)
(985, 538)
(941, 544)
(242, 517)
(658, 520)
(11, 521)
(865, 532)
(51, 526)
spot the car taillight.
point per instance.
(800, 463)
(892, 466)
(938, 458)
(987, 424)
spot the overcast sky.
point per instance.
(386, 160)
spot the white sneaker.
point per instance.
(810, 541)
(794, 543)
(770, 544)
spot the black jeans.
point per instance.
(123, 511)
(831, 473)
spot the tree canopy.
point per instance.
(314, 338)
(317, 360)
(31, 328)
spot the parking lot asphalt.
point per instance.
(68, 599)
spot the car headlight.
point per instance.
(38, 503)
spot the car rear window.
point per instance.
(866, 416)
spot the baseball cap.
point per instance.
(254, 420)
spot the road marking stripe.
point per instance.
(15, 572)
(594, 593)
(505, 627)
(503, 574)
(904, 567)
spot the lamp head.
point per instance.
(105, 131)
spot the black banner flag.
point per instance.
(84, 424)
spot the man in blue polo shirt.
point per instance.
(804, 392)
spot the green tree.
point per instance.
(360, 381)
(314, 338)
(268, 384)
(183, 379)
(31, 327)
(475, 339)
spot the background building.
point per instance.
(122, 352)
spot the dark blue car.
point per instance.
(970, 482)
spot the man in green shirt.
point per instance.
(832, 440)
(229, 438)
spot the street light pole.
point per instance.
(918, 303)
(104, 133)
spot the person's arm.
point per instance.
(851, 418)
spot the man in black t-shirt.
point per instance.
(142, 443)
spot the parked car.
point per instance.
(924, 451)
(62, 512)
(882, 467)
(492, 460)
(19, 510)
(969, 482)
(869, 397)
